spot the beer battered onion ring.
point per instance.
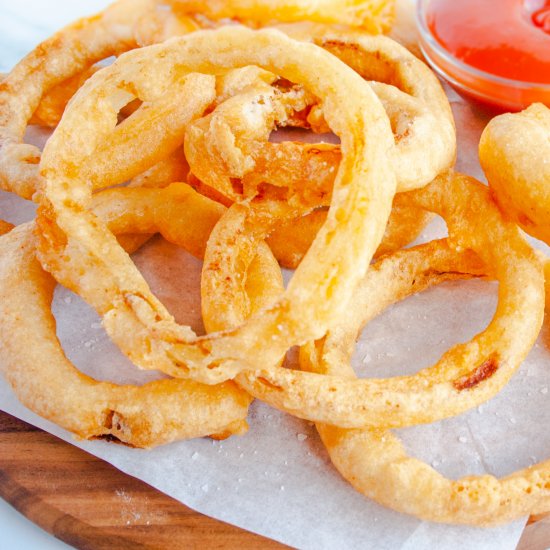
(66, 58)
(291, 239)
(375, 462)
(51, 106)
(229, 149)
(142, 416)
(155, 25)
(372, 15)
(514, 152)
(466, 375)
(80, 251)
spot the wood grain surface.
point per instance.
(90, 504)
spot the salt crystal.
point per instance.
(67, 299)
(463, 439)
(367, 359)
(301, 437)
(205, 487)
(544, 390)
(194, 456)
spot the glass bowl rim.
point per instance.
(428, 37)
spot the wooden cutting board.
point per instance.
(90, 504)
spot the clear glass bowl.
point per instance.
(496, 91)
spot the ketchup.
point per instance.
(506, 38)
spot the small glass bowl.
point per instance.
(484, 87)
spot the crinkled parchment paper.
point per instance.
(277, 479)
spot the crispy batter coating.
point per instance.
(376, 463)
(74, 241)
(454, 384)
(229, 149)
(514, 151)
(372, 15)
(59, 66)
(141, 416)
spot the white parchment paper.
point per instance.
(277, 479)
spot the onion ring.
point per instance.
(467, 374)
(229, 150)
(375, 462)
(75, 48)
(321, 286)
(66, 58)
(153, 414)
(414, 99)
(51, 107)
(372, 15)
(514, 151)
(291, 238)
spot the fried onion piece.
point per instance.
(372, 15)
(47, 383)
(51, 107)
(514, 152)
(142, 416)
(467, 374)
(73, 241)
(229, 150)
(376, 463)
(291, 239)
(59, 66)
(74, 49)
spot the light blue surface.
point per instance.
(25, 23)
(17, 532)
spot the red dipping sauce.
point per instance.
(496, 51)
